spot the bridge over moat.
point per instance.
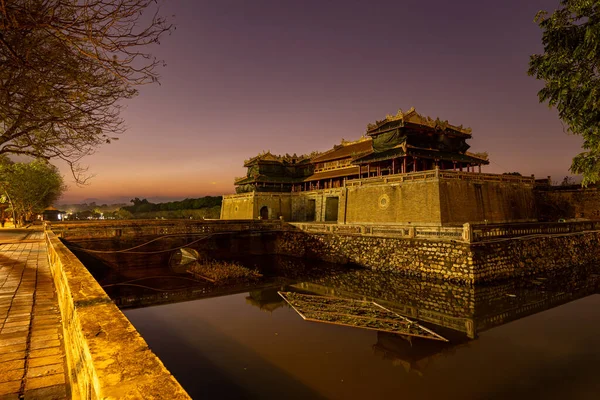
(151, 243)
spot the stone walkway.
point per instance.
(32, 356)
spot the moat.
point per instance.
(528, 338)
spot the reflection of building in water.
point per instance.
(267, 300)
(457, 313)
(414, 354)
(464, 309)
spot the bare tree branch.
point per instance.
(65, 68)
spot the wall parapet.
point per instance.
(239, 195)
(440, 174)
(106, 357)
(128, 228)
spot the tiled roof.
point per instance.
(344, 151)
(384, 155)
(419, 152)
(334, 173)
(413, 117)
(443, 155)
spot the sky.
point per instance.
(294, 76)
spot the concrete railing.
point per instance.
(106, 357)
(131, 228)
(397, 231)
(480, 232)
(467, 233)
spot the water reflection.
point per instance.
(414, 355)
(252, 345)
(267, 300)
(460, 308)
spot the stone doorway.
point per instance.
(264, 212)
(331, 209)
(311, 211)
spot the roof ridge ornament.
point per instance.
(414, 117)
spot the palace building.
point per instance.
(407, 168)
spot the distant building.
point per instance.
(406, 169)
(52, 214)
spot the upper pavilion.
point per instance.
(398, 144)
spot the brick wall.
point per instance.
(415, 202)
(570, 202)
(472, 201)
(433, 200)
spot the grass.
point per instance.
(223, 272)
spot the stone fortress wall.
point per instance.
(568, 202)
(432, 197)
(448, 260)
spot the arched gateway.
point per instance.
(264, 212)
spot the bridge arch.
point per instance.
(181, 259)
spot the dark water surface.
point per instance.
(536, 338)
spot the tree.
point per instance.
(31, 186)
(567, 181)
(570, 68)
(122, 214)
(65, 66)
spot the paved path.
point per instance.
(32, 364)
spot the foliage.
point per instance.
(512, 173)
(570, 68)
(65, 66)
(102, 208)
(122, 214)
(144, 206)
(31, 187)
(206, 212)
(204, 207)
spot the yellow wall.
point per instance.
(472, 201)
(415, 202)
(432, 201)
(279, 204)
(238, 206)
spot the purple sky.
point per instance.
(297, 76)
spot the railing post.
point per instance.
(467, 233)
(411, 232)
